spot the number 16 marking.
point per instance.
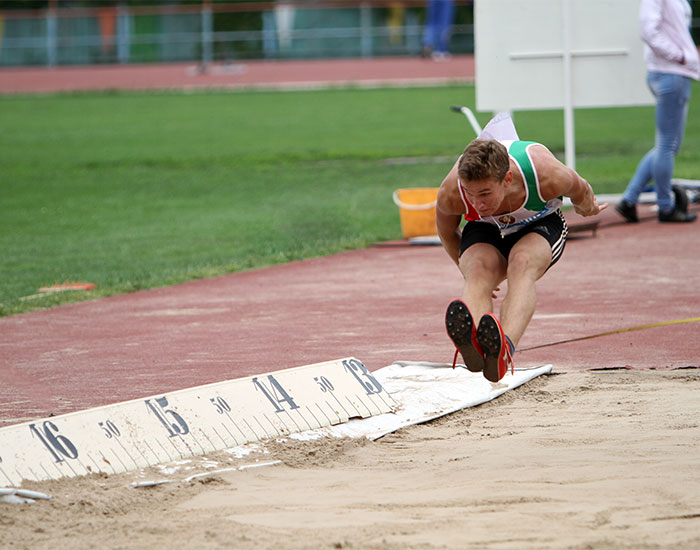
(55, 444)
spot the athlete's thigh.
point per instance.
(483, 261)
(530, 256)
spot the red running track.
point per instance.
(394, 71)
(381, 304)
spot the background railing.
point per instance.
(208, 32)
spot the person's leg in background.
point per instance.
(672, 93)
(671, 113)
(445, 18)
(430, 36)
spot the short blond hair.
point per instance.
(483, 159)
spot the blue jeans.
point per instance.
(672, 93)
(439, 24)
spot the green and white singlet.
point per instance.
(533, 208)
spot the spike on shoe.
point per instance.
(497, 357)
(461, 330)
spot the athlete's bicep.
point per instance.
(555, 178)
(447, 222)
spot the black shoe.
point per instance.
(677, 215)
(681, 198)
(462, 332)
(497, 357)
(627, 211)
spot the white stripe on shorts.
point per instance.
(558, 246)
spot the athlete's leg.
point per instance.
(483, 268)
(527, 262)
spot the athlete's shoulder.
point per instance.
(534, 146)
(448, 199)
(540, 154)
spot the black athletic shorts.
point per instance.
(552, 227)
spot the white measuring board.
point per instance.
(172, 426)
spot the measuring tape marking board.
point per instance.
(196, 421)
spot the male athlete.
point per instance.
(510, 193)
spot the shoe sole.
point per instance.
(459, 324)
(489, 337)
(687, 218)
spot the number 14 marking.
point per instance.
(275, 394)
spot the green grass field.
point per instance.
(140, 190)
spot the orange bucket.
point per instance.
(417, 211)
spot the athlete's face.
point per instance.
(485, 195)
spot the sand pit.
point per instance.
(596, 459)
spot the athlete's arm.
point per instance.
(557, 179)
(448, 215)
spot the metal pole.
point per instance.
(366, 30)
(51, 34)
(123, 34)
(207, 34)
(569, 133)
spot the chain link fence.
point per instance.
(212, 32)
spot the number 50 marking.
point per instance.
(220, 404)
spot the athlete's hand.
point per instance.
(593, 210)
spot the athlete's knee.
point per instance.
(523, 263)
(482, 269)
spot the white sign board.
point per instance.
(521, 45)
(553, 54)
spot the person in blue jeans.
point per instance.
(438, 27)
(671, 60)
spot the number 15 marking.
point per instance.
(179, 427)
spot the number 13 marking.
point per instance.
(370, 384)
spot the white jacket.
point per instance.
(664, 26)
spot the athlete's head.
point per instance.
(484, 174)
(483, 159)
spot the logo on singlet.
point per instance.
(506, 220)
